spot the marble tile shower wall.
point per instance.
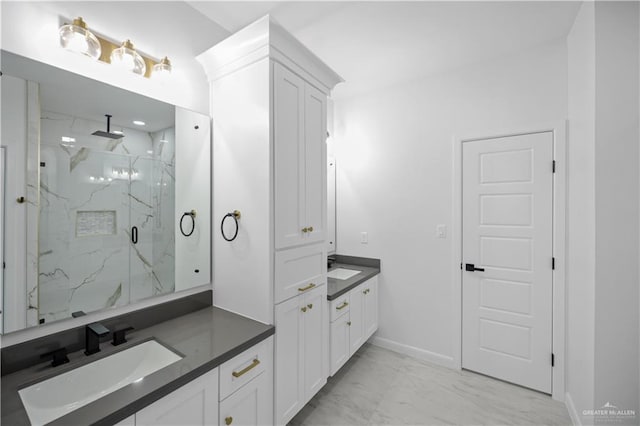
(93, 190)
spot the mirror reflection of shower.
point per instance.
(98, 188)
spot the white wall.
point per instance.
(580, 269)
(617, 192)
(604, 196)
(395, 154)
(175, 29)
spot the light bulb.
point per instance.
(127, 58)
(77, 38)
(162, 70)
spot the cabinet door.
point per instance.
(288, 122)
(356, 312)
(250, 405)
(339, 342)
(370, 289)
(315, 149)
(314, 341)
(195, 403)
(289, 379)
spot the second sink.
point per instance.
(342, 273)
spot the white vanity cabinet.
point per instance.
(238, 392)
(300, 132)
(246, 387)
(300, 350)
(269, 102)
(195, 403)
(354, 319)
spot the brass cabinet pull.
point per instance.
(309, 287)
(366, 291)
(253, 365)
(310, 229)
(303, 309)
(344, 305)
(305, 230)
(310, 306)
(21, 200)
(349, 323)
(228, 420)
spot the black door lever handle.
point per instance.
(470, 267)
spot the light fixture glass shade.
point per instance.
(162, 70)
(77, 38)
(127, 58)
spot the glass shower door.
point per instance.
(84, 231)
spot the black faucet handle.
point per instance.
(120, 335)
(58, 356)
(98, 329)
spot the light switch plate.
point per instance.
(441, 231)
(364, 238)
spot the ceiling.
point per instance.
(377, 44)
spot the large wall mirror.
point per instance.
(116, 201)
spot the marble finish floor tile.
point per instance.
(381, 387)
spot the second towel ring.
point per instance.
(235, 215)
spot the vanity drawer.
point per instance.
(339, 306)
(299, 270)
(240, 369)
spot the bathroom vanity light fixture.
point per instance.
(76, 37)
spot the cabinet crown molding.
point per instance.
(266, 38)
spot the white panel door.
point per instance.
(251, 405)
(315, 149)
(507, 234)
(315, 344)
(289, 353)
(194, 404)
(288, 122)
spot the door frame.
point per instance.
(559, 131)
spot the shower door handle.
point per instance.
(134, 234)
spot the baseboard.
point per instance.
(422, 354)
(573, 413)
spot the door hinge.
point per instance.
(553, 263)
(553, 360)
(553, 166)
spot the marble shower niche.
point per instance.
(100, 214)
(106, 217)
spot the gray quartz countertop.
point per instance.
(206, 338)
(337, 288)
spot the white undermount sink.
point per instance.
(53, 398)
(342, 273)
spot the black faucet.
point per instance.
(93, 333)
(58, 357)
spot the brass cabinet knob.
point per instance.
(310, 306)
(21, 200)
(310, 229)
(304, 309)
(366, 291)
(305, 230)
(349, 323)
(228, 420)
